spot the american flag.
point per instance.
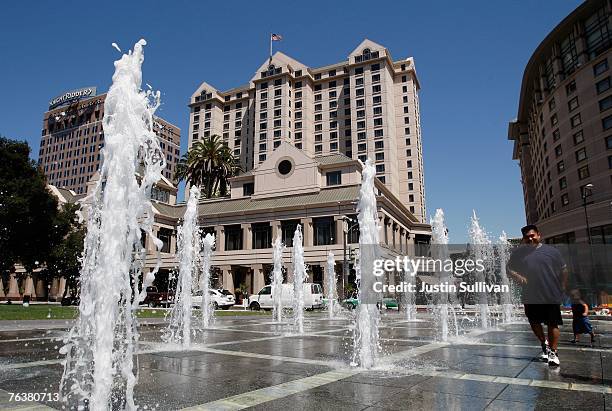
(276, 37)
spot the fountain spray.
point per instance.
(366, 345)
(277, 280)
(178, 330)
(299, 276)
(100, 347)
(481, 249)
(208, 313)
(331, 284)
(504, 255)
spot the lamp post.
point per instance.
(587, 191)
(346, 228)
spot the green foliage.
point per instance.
(27, 209)
(209, 164)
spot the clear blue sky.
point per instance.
(469, 55)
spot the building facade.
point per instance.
(563, 132)
(290, 187)
(73, 137)
(364, 106)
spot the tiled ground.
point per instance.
(250, 362)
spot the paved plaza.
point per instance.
(253, 363)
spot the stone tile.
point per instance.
(550, 398)
(353, 392)
(416, 399)
(461, 387)
(500, 405)
(568, 371)
(308, 403)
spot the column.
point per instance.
(2, 295)
(220, 242)
(173, 248)
(258, 277)
(28, 289)
(227, 278)
(13, 292)
(402, 235)
(307, 231)
(276, 230)
(62, 287)
(54, 289)
(41, 290)
(394, 232)
(150, 245)
(247, 237)
(339, 235)
(389, 232)
(248, 279)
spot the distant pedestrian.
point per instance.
(540, 270)
(580, 319)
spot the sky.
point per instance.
(469, 56)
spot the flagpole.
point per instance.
(270, 48)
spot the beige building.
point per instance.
(73, 137)
(563, 132)
(289, 188)
(364, 106)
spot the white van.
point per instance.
(313, 297)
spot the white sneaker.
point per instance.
(545, 350)
(553, 359)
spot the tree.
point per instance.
(208, 164)
(64, 258)
(28, 211)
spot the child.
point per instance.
(580, 321)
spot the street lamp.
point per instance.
(587, 191)
(346, 228)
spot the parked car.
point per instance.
(313, 297)
(220, 299)
(157, 298)
(387, 302)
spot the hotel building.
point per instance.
(364, 106)
(563, 132)
(73, 137)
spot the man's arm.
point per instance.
(517, 277)
(564, 277)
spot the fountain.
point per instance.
(481, 249)
(504, 255)
(208, 312)
(179, 330)
(277, 280)
(439, 234)
(299, 276)
(331, 284)
(99, 349)
(366, 345)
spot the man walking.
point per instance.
(540, 270)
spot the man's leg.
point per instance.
(553, 336)
(538, 330)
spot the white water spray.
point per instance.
(277, 280)
(331, 284)
(100, 347)
(366, 345)
(179, 329)
(299, 276)
(481, 249)
(504, 255)
(208, 312)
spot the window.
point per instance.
(323, 231)
(334, 178)
(360, 125)
(288, 230)
(576, 120)
(380, 156)
(379, 145)
(376, 89)
(359, 70)
(609, 143)
(377, 111)
(607, 123)
(375, 67)
(262, 157)
(376, 100)
(375, 78)
(605, 103)
(378, 133)
(562, 183)
(248, 189)
(233, 237)
(318, 107)
(570, 87)
(378, 122)
(333, 146)
(583, 172)
(380, 168)
(361, 147)
(332, 84)
(318, 148)
(578, 137)
(573, 104)
(361, 135)
(600, 67)
(359, 92)
(317, 76)
(360, 103)
(565, 199)
(318, 97)
(262, 235)
(560, 166)
(556, 135)
(603, 85)
(552, 104)
(581, 155)
(554, 120)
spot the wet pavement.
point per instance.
(253, 363)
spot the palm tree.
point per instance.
(208, 164)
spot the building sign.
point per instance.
(71, 96)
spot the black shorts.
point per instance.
(549, 314)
